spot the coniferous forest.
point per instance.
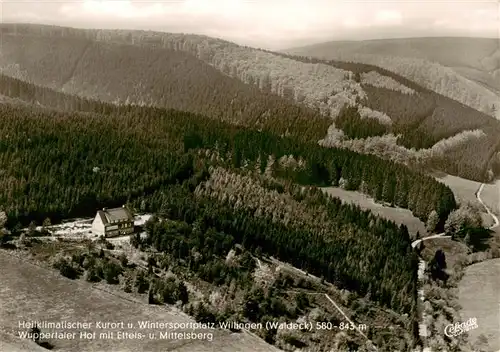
(59, 164)
(93, 150)
(229, 156)
(231, 151)
(222, 80)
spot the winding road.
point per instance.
(495, 218)
(416, 242)
(421, 264)
(421, 269)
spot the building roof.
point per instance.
(114, 215)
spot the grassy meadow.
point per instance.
(479, 297)
(398, 215)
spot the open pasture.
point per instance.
(398, 215)
(479, 297)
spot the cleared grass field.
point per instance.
(398, 215)
(491, 196)
(465, 192)
(479, 296)
(29, 292)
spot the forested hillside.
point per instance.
(282, 120)
(35, 141)
(254, 187)
(170, 70)
(239, 166)
(321, 87)
(464, 69)
(145, 76)
(262, 149)
(421, 117)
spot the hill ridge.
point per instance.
(446, 52)
(300, 89)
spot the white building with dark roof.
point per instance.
(113, 222)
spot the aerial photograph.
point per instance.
(249, 176)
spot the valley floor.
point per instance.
(465, 191)
(484, 304)
(479, 297)
(476, 303)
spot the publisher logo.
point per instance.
(452, 330)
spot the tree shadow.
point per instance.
(9, 246)
(479, 239)
(47, 345)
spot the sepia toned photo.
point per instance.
(249, 176)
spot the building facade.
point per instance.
(113, 222)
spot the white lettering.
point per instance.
(453, 330)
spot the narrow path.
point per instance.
(495, 218)
(72, 72)
(339, 310)
(349, 320)
(439, 235)
(488, 210)
(327, 296)
(421, 264)
(422, 328)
